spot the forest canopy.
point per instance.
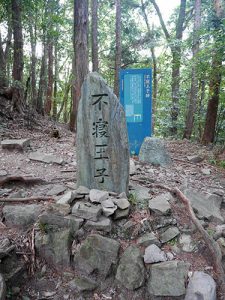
(48, 47)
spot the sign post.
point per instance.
(136, 98)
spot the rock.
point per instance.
(121, 214)
(22, 215)
(169, 234)
(83, 190)
(221, 242)
(133, 169)
(19, 144)
(82, 284)
(140, 193)
(187, 244)
(97, 253)
(160, 204)
(201, 286)
(5, 247)
(102, 140)
(168, 278)
(206, 171)
(195, 158)
(54, 246)
(87, 211)
(2, 288)
(131, 271)
(148, 239)
(45, 158)
(56, 190)
(67, 198)
(122, 203)
(103, 224)
(153, 151)
(5, 192)
(154, 254)
(97, 196)
(3, 173)
(60, 209)
(108, 207)
(205, 207)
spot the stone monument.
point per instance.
(102, 139)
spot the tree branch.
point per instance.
(167, 35)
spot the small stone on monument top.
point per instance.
(102, 140)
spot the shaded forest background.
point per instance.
(47, 48)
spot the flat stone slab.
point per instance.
(131, 271)
(169, 234)
(122, 203)
(102, 139)
(97, 196)
(121, 214)
(22, 215)
(87, 211)
(148, 239)
(56, 190)
(83, 284)
(45, 158)
(168, 278)
(207, 207)
(160, 204)
(153, 151)
(19, 144)
(201, 286)
(154, 254)
(103, 224)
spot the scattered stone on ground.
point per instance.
(154, 254)
(56, 190)
(186, 243)
(19, 144)
(86, 210)
(169, 234)
(160, 204)
(195, 158)
(45, 158)
(148, 239)
(97, 196)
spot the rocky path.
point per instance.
(131, 244)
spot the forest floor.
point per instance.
(46, 282)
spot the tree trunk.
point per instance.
(81, 54)
(215, 78)
(3, 81)
(17, 72)
(48, 103)
(94, 35)
(54, 110)
(194, 81)
(118, 52)
(43, 78)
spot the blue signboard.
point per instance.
(136, 98)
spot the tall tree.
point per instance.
(17, 71)
(175, 47)
(94, 35)
(118, 53)
(194, 80)
(81, 54)
(216, 73)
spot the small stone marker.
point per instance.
(102, 140)
(19, 144)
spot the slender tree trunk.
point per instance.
(94, 35)
(48, 103)
(194, 81)
(81, 54)
(43, 79)
(54, 110)
(215, 79)
(3, 81)
(118, 52)
(17, 72)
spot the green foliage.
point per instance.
(132, 198)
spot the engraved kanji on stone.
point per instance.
(100, 152)
(99, 100)
(101, 174)
(100, 128)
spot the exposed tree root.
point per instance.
(23, 179)
(22, 200)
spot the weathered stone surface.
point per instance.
(97, 253)
(82, 284)
(122, 203)
(22, 215)
(154, 254)
(87, 211)
(131, 271)
(102, 141)
(54, 246)
(139, 192)
(5, 247)
(206, 171)
(195, 158)
(160, 204)
(169, 234)
(19, 144)
(108, 207)
(148, 239)
(67, 198)
(205, 207)
(153, 151)
(60, 209)
(97, 196)
(186, 243)
(103, 224)
(121, 214)
(2, 288)
(56, 190)
(201, 286)
(45, 158)
(83, 190)
(168, 278)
